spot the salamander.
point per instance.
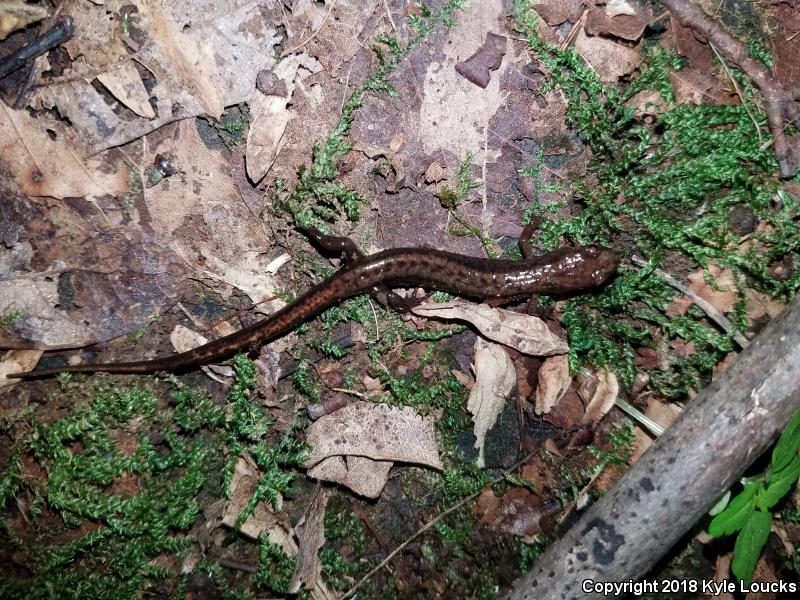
(562, 271)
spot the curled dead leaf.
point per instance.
(495, 378)
(526, 333)
(375, 431)
(554, 381)
(364, 476)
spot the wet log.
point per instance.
(677, 480)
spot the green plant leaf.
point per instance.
(735, 516)
(720, 505)
(788, 444)
(749, 543)
(780, 482)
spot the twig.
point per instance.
(738, 91)
(484, 199)
(55, 36)
(779, 102)
(574, 31)
(430, 524)
(313, 35)
(389, 14)
(702, 304)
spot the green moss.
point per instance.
(665, 190)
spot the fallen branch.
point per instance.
(682, 474)
(779, 103)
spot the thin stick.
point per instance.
(389, 14)
(738, 91)
(428, 525)
(702, 304)
(313, 35)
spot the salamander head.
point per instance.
(600, 263)
(577, 269)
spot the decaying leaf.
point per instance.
(555, 12)
(609, 59)
(376, 431)
(17, 361)
(620, 7)
(270, 114)
(263, 518)
(722, 294)
(126, 85)
(310, 537)
(477, 68)
(184, 339)
(554, 380)
(602, 400)
(495, 378)
(195, 66)
(627, 26)
(460, 131)
(42, 166)
(518, 512)
(364, 476)
(19, 14)
(759, 306)
(395, 162)
(528, 334)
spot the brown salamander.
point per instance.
(559, 272)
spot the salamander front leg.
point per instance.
(334, 244)
(525, 246)
(525, 237)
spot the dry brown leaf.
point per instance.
(270, 114)
(17, 361)
(517, 512)
(395, 162)
(42, 166)
(376, 431)
(554, 381)
(126, 85)
(478, 67)
(555, 12)
(648, 102)
(691, 86)
(192, 60)
(627, 26)
(263, 519)
(603, 398)
(461, 131)
(205, 220)
(759, 306)
(42, 322)
(662, 413)
(364, 476)
(436, 173)
(607, 58)
(16, 15)
(310, 538)
(184, 339)
(692, 46)
(495, 378)
(198, 65)
(526, 333)
(724, 297)
(620, 7)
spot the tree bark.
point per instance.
(682, 474)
